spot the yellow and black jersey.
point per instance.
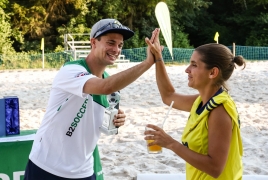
(195, 136)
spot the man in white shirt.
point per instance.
(70, 129)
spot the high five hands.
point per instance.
(155, 49)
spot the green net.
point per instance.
(181, 55)
(139, 54)
(251, 52)
(51, 60)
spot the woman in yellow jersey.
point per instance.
(211, 141)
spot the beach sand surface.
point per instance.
(125, 155)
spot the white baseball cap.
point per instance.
(110, 26)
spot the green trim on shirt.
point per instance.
(100, 99)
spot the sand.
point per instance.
(125, 155)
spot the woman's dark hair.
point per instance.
(218, 55)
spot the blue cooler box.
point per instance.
(9, 115)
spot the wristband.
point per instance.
(160, 59)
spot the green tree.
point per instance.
(136, 14)
(5, 30)
(41, 18)
(258, 33)
(241, 21)
(258, 30)
(51, 19)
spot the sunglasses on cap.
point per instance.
(110, 26)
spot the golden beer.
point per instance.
(155, 149)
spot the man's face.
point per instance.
(108, 48)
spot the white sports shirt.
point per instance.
(69, 132)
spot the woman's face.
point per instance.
(198, 75)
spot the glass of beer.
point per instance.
(154, 149)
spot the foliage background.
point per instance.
(194, 22)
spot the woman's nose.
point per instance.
(187, 70)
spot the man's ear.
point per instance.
(214, 72)
(92, 42)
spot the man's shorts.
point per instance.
(33, 172)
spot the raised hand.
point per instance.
(154, 46)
